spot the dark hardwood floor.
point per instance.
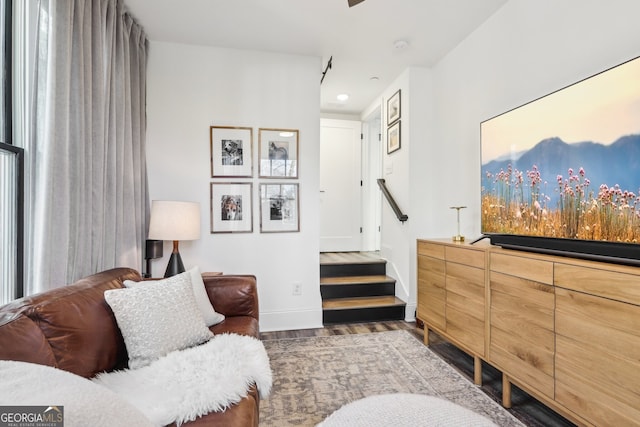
(528, 410)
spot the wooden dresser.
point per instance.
(565, 330)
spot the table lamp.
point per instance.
(174, 220)
(458, 237)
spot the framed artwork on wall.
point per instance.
(393, 137)
(231, 210)
(393, 108)
(278, 153)
(279, 208)
(231, 151)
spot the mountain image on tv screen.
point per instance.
(567, 165)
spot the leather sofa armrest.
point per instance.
(233, 295)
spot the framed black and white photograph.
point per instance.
(231, 210)
(393, 108)
(279, 208)
(278, 153)
(393, 137)
(231, 151)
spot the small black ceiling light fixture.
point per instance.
(327, 68)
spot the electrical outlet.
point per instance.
(296, 290)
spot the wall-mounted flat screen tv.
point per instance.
(561, 174)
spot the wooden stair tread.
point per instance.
(356, 280)
(341, 258)
(361, 302)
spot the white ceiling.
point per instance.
(360, 39)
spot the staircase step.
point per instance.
(338, 264)
(356, 286)
(348, 257)
(377, 268)
(362, 302)
(364, 309)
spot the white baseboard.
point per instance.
(410, 312)
(307, 319)
(290, 320)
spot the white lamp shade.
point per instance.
(171, 220)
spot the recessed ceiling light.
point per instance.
(374, 78)
(342, 97)
(400, 44)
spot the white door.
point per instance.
(340, 186)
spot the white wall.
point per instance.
(403, 172)
(524, 51)
(191, 88)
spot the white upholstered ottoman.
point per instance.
(404, 410)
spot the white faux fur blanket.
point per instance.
(85, 403)
(186, 384)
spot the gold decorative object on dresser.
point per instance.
(565, 330)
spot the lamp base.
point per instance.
(175, 265)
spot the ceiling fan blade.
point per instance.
(354, 2)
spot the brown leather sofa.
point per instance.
(73, 328)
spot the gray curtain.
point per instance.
(89, 201)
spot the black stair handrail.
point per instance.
(396, 209)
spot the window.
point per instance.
(11, 175)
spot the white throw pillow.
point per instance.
(83, 402)
(211, 316)
(158, 318)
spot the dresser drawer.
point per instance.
(430, 249)
(470, 257)
(605, 283)
(520, 266)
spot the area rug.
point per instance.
(313, 377)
